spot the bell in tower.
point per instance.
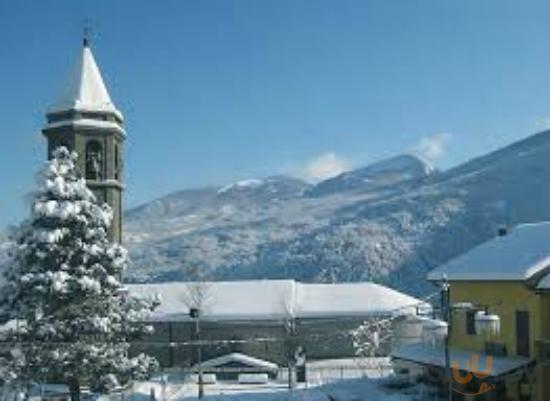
(85, 120)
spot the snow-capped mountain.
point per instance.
(246, 193)
(263, 190)
(386, 173)
(390, 222)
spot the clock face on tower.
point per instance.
(86, 121)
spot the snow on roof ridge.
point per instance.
(541, 266)
(240, 357)
(262, 280)
(85, 89)
(348, 283)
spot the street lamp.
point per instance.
(194, 313)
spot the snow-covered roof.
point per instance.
(350, 299)
(87, 123)
(85, 89)
(544, 283)
(240, 358)
(435, 356)
(517, 256)
(277, 300)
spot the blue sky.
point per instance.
(216, 91)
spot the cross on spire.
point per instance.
(86, 33)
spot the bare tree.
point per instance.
(195, 298)
(197, 290)
(372, 339)
(290, 340)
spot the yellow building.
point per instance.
(543, 343)
(499, 308)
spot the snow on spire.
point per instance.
(85, 89)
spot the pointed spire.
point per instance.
(85, 89)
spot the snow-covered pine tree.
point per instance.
(75, 319)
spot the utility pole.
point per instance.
(447, 316)
(194, 313)
(290, 351)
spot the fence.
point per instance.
(176, 383)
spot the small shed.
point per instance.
(229, 367)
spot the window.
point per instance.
(94, 160)
(117, 163)
(522, 333)
(471, 322)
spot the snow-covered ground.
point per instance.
(328, 380)
(347, 390)
(367, 389)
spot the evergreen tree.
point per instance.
(63, 287)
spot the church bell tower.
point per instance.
(85, 120)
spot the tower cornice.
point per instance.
(87, 124)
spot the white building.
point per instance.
(263, 318)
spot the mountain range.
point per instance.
(389, 222)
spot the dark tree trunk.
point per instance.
(74, 389)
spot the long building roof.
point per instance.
(276, 300)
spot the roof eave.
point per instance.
(74, 107)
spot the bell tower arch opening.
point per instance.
(94, 160)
